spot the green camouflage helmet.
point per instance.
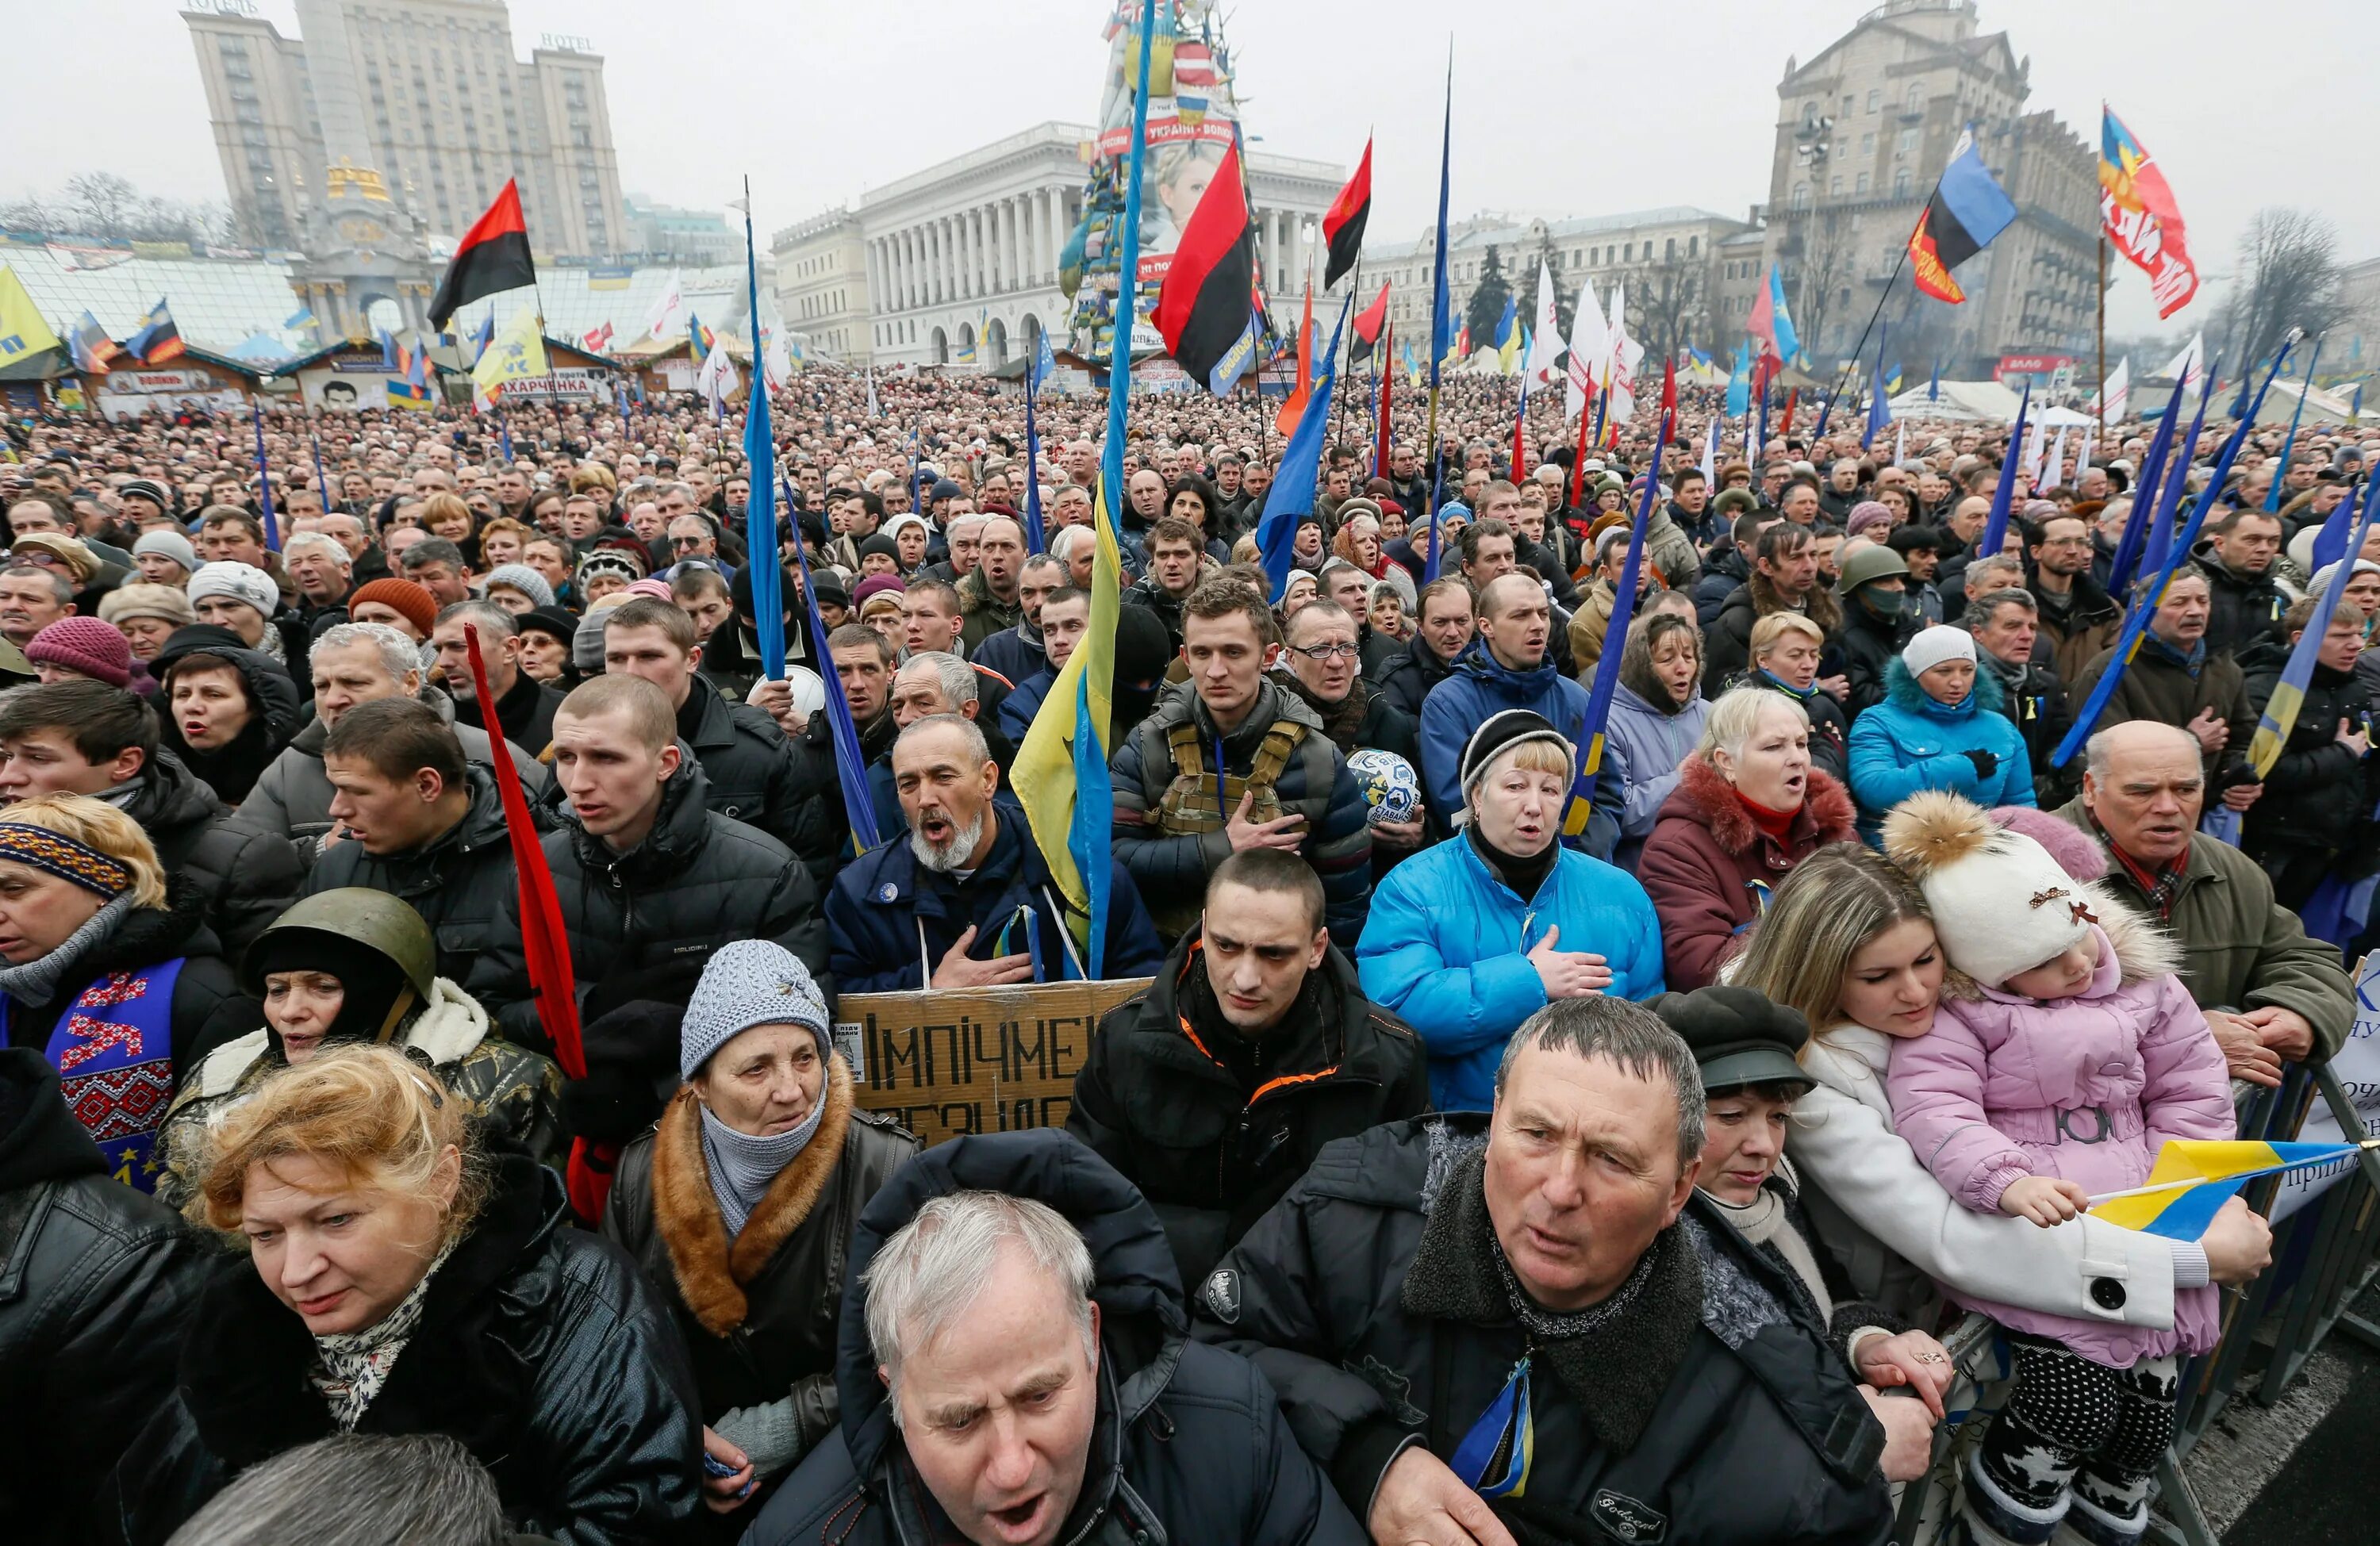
(1877, 562)
(357, 915)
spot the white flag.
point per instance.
(1588, 344)
(2082, 457)
(1710, 452)
(1625, 353)
(1545, 343)
(873, 411)
(669, 312)
(716, 380)
(2033, 456)
(2057, 458)
(2118, 390)
(2188, 365)
(1900, 443)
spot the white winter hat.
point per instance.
(241, 581)
(1933, 645)
(2001, 904)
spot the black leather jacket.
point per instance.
(540, 1348)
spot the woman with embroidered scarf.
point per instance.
(739, 1206)
(108, 970)
(396, 1279)
(354, 966)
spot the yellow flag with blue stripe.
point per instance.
(2193, 1178)
(1070, 730)
(23, 334)
(517, 354)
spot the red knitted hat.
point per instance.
(86, 646)
(408, 600)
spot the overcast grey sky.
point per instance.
(1560, 109)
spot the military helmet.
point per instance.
(354, 917)
(1876, 562)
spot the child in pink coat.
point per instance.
(2079, 1055)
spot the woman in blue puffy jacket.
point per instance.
(1467, 939)
(1940, 726)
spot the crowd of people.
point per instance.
(1483, 1163)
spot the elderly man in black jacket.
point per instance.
(1455, 1306)
(1253, 1047)
(98, 1281)
(1018, 1368)
(81, 737)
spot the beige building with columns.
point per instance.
(962, 257)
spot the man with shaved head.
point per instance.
(2272, 995)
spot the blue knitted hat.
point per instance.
(749, 983)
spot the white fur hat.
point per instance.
(2001, 904)
(241, 581)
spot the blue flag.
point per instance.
(2281, 468)
(1043, 363)
(264, 481)
(2169, 495)
(388, 350)
(2144, 493)
(330, 501)
(487, 335)
(1739, 384)
(1996, 528)
(1879, 412)
(2144, 606)
(1933, 386)
(1581, 808)
(1291, 498)
(1442, 325)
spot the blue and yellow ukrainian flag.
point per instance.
(1508, 335)
(2281, 709)
(2193, 1178)
(1061, 772)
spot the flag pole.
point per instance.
(1889, 279)
(2103, 332)
(1439, 323)
(1346, 367)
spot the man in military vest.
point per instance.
(1239, 763)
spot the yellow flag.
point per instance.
(23, 334)
(1043, 774)
(517, 354)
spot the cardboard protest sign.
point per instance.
(966, 1060)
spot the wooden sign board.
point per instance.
(966, 1060)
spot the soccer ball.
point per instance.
(1389, 784)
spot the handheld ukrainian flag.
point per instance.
(1291, 498)
(1607, 670)
(517, 355)
(1037, 372)
(2144, 606)
(299, 319)
(1508, 335)
(702, 337)
(2193, 1178)
(1068, 804)
(485, 336)
(2281, 709)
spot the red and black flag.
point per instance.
(1203, 309)
(1969, 208)
(1342, 225)
(1368, 325)
(493, 256)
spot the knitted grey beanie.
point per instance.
(522, 578)
(745, 984)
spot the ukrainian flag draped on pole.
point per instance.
(2136, 622)
(1441, 324)
(1291, 498)
(1607, 670)
(2281, 710)
(1061, 772)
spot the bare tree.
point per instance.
(1822, 268)
(32, 213)
(2289, 278)
(1668, 299)
(103, 203)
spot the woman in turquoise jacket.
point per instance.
(1940, 726)
(1469, 939)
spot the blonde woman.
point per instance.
(1786, 648)
(1849, 943)
(108, 970)
(394, 1280)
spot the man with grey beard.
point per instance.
(968, 901)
